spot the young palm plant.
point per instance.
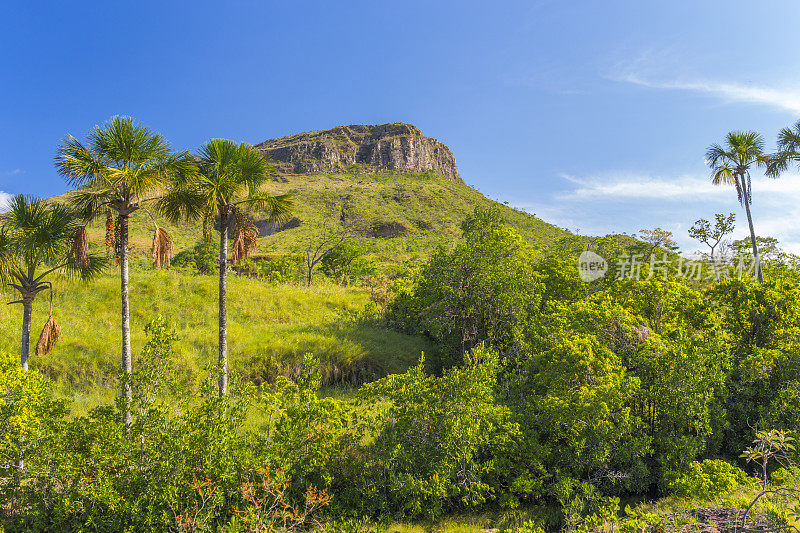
(730, 164)
(38, 239)
(231, 178)
(121, 168)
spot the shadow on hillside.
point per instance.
(351, 352)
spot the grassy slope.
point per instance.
(271, 327)
(431, 207)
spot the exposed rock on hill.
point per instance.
(395, 146)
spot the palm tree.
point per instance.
(120, 168)
(731, 165)
(36, 240)
(231, 177)
(788, 151)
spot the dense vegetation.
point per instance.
(563, 398)
(475, 376)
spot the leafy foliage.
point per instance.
(708, 478)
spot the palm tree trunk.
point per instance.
(223, 302)
(27, 311)
(756, 260)
(126, 316)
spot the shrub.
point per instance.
(445, 442)
(203, 257)
(280, 269)
(346, 263)
(709, 478)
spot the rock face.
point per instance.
(395, 146)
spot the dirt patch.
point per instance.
(722, 520)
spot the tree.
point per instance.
(788, 151)
(35, 235)
(120, 168)
(347, 263)
(703, 232)
(767, 247)
(484, 290)
(330, 238)
(731, 165)
(231, 177)
(658, 238)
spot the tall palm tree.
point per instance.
(231, 177)
(38, 239)
(121, 167)
(788, 151)
(730, 164)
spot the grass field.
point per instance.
(271, 327)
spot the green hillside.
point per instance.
(271, 326)
(428, 206)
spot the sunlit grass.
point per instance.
(270, 328)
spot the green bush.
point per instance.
(445, 443)
(280, 269)
(203, 257)
(347, 263)
(483, 291)
(708, 478)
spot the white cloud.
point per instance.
(627, 202)
(682, 187)
(788, 100)
(671, 70)
(5, 199)
(631, 186)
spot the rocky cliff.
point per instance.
(395, 146)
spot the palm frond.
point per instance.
(723, 175)
(183, 202)
(94, 267)
(246, 238)
(47, 339)
(90, 200)
(76, 163)
(7, 260)
(111, 234)
(122, 162)
(789, 139)
(716, 155)
(162, 248)
(277, 208)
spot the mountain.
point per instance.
(403, 186)
(406, 189)
(385, 147)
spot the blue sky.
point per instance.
(593, 115)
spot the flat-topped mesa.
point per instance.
(395, 146)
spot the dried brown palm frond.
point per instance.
(50, 333)
(80, 247)
(117, 239)
(246, 239)
(111, 234)
(162, 248)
